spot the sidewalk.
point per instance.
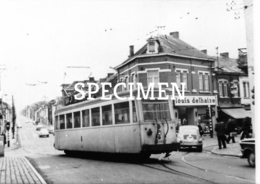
(17, 169)
(233, 149)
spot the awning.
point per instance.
(239, 113)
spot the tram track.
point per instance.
(170, 170)
(211, 171)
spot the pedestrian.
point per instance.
(220, 129)
(246, 127)
(200, 129)
(230, 129)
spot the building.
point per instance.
(232, 85)
(168, 59)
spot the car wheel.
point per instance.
(200, 148)
(251, 159)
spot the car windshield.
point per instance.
(189, 130)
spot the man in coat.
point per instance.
(220, 129)
(229, 129)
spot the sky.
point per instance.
(40, 39)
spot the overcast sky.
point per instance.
(39, 39)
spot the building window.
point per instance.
(178, 79)
(153, 77)
(204, 82)
(246, 89)
(181, 77)
(223, 88)
(120, 88)
(134, 80)
(127, 82)
(220, 89)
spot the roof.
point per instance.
(228, 64)
(174, 46)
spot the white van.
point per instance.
(189, 136)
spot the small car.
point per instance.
(43, 132)
(19, 125)
(39, 127)
(189, 137)
(51, 130)
(248, 150)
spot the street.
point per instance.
(180, 167)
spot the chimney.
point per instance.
(224, 54)
(91, 79)
(204, 51)
(109, 74)
(175, 34)
(131, 51)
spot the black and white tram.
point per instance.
(117, 126)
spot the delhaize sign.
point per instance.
(195, 100)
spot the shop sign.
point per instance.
(195, 100)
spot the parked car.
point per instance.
(189, 136)
(19, 125)
(39, 127)
(248, 150)
(43, 132)
(51, 130)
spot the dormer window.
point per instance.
(152, 46)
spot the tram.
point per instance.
(141, 126)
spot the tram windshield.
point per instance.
(156, 110)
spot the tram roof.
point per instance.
(99, 100)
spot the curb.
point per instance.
(35, 172)
(223, 154)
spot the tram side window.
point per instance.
(107, 115)
(85, 118)
(56, 123)
(134, 112)
(62, 122)
(69, 120)
(122, 113)
(157, 111)
(95, 115)
(76, 119)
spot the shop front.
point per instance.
(195, 110)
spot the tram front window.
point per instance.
(156, 110)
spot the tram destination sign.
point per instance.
(195, 100)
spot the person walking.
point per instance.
(200, 129)
(220, 129)
(246, 126)
(230, 129)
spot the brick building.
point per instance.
(168, 59)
